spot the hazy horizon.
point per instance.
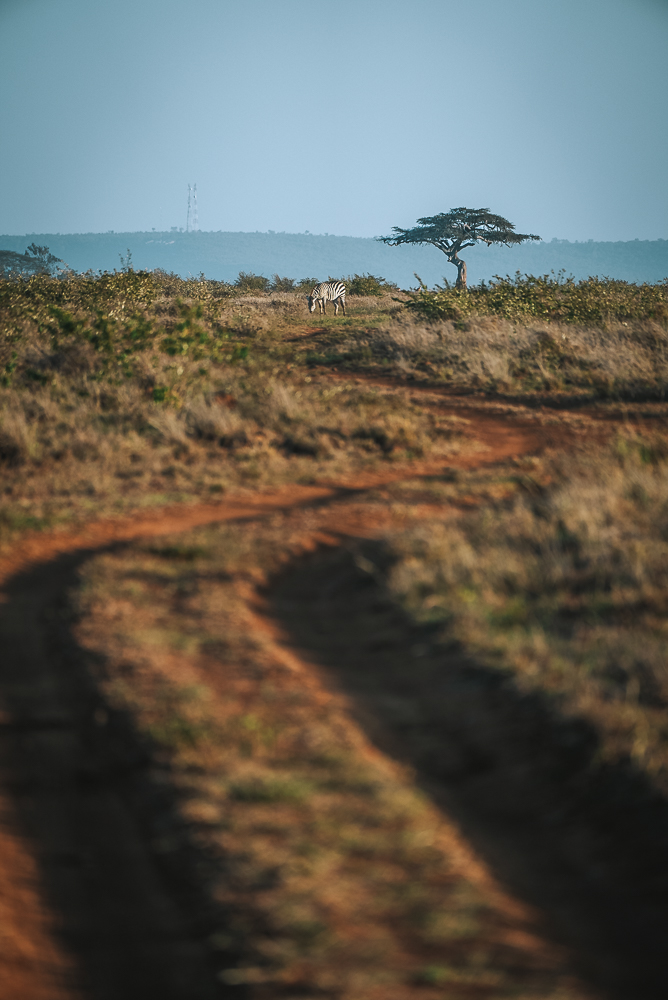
(222, 255)
(299, 117)
(274, 232)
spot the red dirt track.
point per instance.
(41, 759)
(501, 438)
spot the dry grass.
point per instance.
(132, 388)
(135, 389)
(333, 874)
(625, 361)
(67, 452)
(129, 394)
(564, 588)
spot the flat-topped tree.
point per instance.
(459, 228)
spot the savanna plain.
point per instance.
(333, 647)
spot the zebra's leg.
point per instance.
(343, 304)
(336, 307)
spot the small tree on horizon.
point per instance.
(459, 228)
(36, 260)
(43, 260)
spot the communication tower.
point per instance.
(192, 220)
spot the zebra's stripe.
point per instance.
(328, 291)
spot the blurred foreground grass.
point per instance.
(331, 872)
(563, 587)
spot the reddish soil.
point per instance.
(498, 437)
(84, 911)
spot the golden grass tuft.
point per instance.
(565, 589)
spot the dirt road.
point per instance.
(85, 910)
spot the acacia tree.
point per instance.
(42, 259)
(459, 228)
(36, 260)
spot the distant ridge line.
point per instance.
(222, 254)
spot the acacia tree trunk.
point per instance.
(461, 271)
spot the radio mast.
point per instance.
(192, 220)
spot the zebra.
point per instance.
(328, 291)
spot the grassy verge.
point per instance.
(332, 873)
(526, 356)
(563, 588)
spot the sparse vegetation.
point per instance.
(356, 284)
(249, 282)
(279, 284)
(368, 284)
(593, 302)
(132, 387)
(328, 871)
(564, 589)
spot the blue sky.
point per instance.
(346, 117)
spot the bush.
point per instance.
(100, 326)
(279, 284)
(368, 284)
(307, 284)
(249, 282)
(591, 302)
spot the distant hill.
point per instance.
(297, 255)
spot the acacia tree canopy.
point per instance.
(36, 260)
(459, 228)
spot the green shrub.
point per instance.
(279, 284)
(367, 284)
(592, 301)
(306, 284)
(249, 282)
(99, 325)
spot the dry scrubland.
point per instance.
(335, 874)
(493, 354)
(605, 339)
(565, 587)
(136, 389)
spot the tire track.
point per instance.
(93, 916)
